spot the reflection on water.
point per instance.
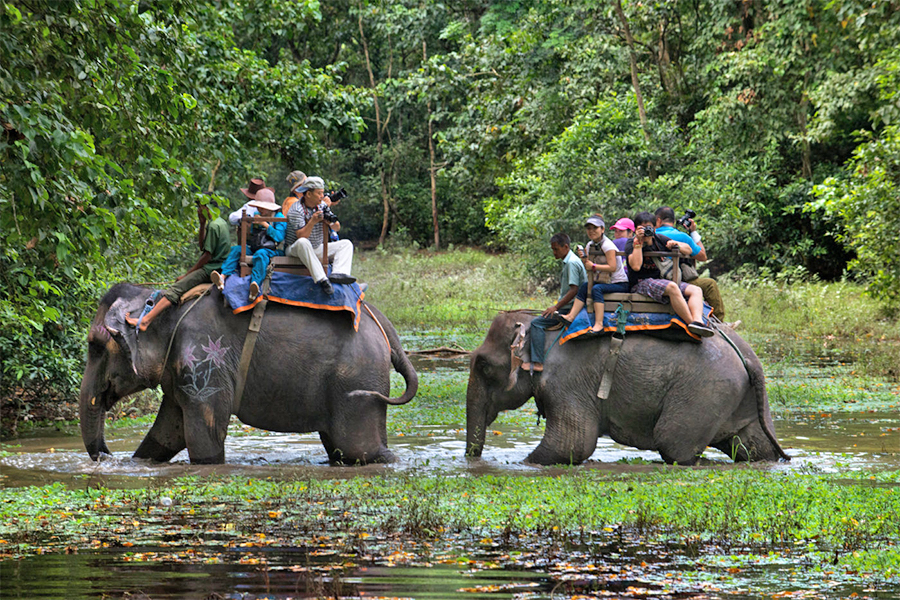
(600, 569)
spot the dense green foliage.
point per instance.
(775, 121)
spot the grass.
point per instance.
(449, 292)
(834, 322)
(809, 516)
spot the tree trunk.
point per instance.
(431, 167)
(378, 133)
(632, 59)
(805, 158)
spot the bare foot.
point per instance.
(133, 321)
(534, 367)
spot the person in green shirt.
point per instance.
(572, 275)
(215, 242)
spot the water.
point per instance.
(828, 442)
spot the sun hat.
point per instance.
(623, 224)
(253, 187)
(265, 200)
(596, 221)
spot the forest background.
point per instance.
(475, 122)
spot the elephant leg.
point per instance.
(166, 438)
(680, 437)
(570, 437)
(358, 432)
(205, 428)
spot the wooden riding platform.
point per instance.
(284, 264)
(636, 303)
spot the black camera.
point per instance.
(648, 231)
(688, 215)
(336, 196)
(328, 215)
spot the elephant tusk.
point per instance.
(94, 401)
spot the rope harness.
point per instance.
(180, 319)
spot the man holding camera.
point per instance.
(645, 276)
(305, 239)
(665, 225)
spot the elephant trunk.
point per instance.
(476, 415)
(92, 415)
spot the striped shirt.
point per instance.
(298, 216)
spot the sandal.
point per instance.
(561, 317)
(698, 328)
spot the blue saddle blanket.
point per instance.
(659, 323)
(296, 290)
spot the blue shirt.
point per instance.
(678, 236)
(276, 230)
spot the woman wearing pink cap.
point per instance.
(622, 231)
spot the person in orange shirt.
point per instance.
(295, 179)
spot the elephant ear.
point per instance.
(518, 354)
(125, 334)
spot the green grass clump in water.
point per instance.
(813, 517)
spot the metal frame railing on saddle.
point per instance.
(283, 264)
(638, 303)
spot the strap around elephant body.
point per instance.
(180, 319)
(606, 380)
(250, 342)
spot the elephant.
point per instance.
(310, 371)
(673, 397)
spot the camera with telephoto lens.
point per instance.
(648, 231)
(328, 214)
(336, 196)
(683, 221)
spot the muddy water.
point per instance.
(831, 442)
(821, 441)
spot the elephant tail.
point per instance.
(399, 359)
(758, 382)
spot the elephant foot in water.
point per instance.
(150, 449)
(349, 455)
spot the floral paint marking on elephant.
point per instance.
(672, 397)
(310, 372)
(199, 373)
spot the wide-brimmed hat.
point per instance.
(265, 200)
(253, 187)
(311, 183)
(596, 221)
(624, 224)
(295, 179)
